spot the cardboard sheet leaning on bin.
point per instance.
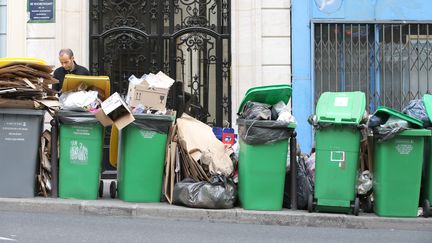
(44, 176)
(200, 148)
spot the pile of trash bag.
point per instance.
(305, 184)
(219, 193)
(261, 123)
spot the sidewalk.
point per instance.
(115, 207)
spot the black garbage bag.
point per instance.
(256, 111)
(219, 193)
(76, 117)
(305, 185)
(263, 132)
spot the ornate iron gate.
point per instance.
(187, 39)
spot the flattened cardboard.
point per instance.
(114, 111)
(13, 103)
(197, 138)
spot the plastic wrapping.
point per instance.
(219, 193)
(79, 101)
(310, 165)
(155, 123)
(263, 132)
(305, 185)
(283, 112)
(416, 109)
(256, 111)
(364, 183)
(75, 117)
(391, 128)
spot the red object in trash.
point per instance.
(228, 138)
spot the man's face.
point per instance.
(66, 62)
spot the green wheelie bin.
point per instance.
(81, 142)
(337, 137)
(80, 154)
(397, 167)
(263, 157)
(426, 193)
(142, 150)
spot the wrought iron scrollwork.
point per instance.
(186, 39)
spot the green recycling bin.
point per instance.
(81, 148)
(397, 168)
(263, 152)
(142, 158)
(426, 194)
(337, 151)
(20, 142)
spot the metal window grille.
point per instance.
(390, 62)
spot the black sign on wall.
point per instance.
(41, 11)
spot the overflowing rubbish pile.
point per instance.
(26, 85)
(359, 162)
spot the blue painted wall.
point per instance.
(303, 11)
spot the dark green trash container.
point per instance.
(19, 145)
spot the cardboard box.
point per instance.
(152, 98)
(150, 91)
(114, 111)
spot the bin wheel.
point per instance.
(426, 208)
(356, 208)
(310, 203)
(113, 189)
(101, 187)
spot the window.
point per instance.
(2, 28)
(391, 62)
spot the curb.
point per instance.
(285, 217)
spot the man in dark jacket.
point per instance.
(69, 66)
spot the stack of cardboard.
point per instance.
(194, 152)
(25, 85)
(44, 176)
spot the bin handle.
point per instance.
(333, 159)
(327, 118)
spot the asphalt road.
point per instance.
(43, 227)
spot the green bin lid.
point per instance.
(427, 101)
(385, 112)
(270, 94)
(341, 107)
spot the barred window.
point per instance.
(390, 62)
